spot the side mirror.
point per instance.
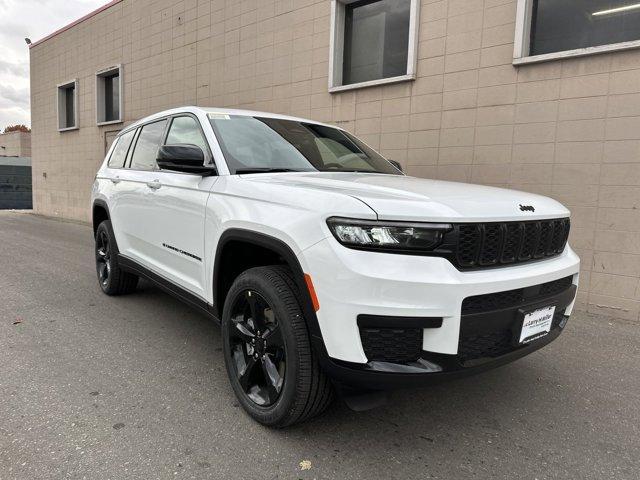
(396, 164)
(183, 158)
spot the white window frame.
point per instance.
(523, 34)
(59, 106)
(100, 114)
(336, 48)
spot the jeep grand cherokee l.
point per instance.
(327, 267)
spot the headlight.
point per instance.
(390, 236)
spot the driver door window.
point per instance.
(186, 130)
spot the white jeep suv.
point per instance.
(328, 268)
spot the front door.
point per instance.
(174, 225)
(133, 210)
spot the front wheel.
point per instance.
(268, 356)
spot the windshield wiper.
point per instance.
(266, 170)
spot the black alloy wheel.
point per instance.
(103, 257)
(112, 279)
(258, 349)
(267, 352)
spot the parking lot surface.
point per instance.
(134, 387)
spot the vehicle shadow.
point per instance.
(482, 400)
(478, 419)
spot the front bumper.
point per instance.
(434, 367)
(351, 283)
(363, 377)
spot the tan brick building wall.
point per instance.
(566, 128)
(15, 144)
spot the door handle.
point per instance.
(116, 180)
(155, 185)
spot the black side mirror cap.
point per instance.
(396, 164)
(184, 158)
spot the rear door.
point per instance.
(114, 173)
(135, 201)
(176, 222)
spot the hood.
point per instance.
(396, 197)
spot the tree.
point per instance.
(17, 128)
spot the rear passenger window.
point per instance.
(146, 150)
(119, 153)
(186, 130)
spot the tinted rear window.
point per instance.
(146, 150)
(119, 153)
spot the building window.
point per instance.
(109, 96)
(373, 42)
(68, 106)
(549, 29)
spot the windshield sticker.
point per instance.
(218, 116)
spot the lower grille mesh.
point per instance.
(513, 298)
(391, 344)
(492, 344)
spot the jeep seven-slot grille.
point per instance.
(490, 244)
(512, 298)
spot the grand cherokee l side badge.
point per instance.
(527, 208)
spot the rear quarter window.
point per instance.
(119, 153)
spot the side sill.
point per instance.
(168, 286)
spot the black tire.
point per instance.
(111, 278)
(305, 390)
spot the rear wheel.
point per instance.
(112, 279)
(268, 356)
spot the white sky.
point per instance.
(34, 19)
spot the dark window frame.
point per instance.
(209, 158)
(523, 51)
(129, 161)
(348, 39)
(62, 101)
(129, 148)
(101, 95)
(337, 47)
(208, 155)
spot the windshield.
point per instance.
(257, 144)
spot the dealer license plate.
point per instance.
(536, 324)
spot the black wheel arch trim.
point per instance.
(102, 204)
(291, 259)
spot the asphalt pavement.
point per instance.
(134, 387)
